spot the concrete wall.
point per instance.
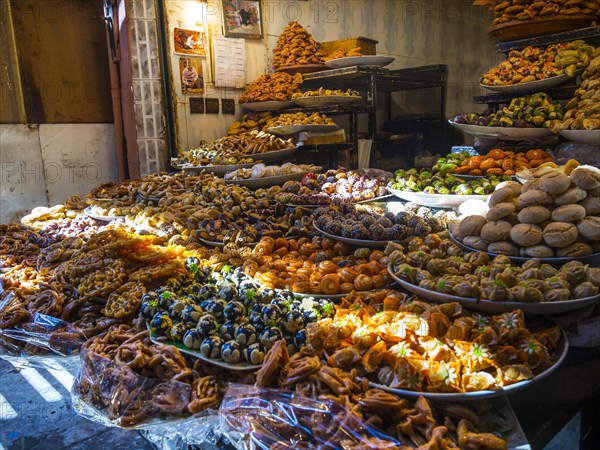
(46, 164)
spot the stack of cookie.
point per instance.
(555, 215)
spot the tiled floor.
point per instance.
(36, 414)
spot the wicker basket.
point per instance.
(368, 46)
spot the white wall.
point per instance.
(44, 165)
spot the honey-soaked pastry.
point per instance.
(279, 86)
(296, 46)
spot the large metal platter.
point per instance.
(256, 183)
(506, 133)
(532, 86)
(558, 357)
(287, 130)
(591, 137)
(272, 105)
(88, 212)
(241, 366)
(489, 306)
(356, 242)
(323, 100)
(436, 200)
(593, 259)
(217, 170)
(364, 60)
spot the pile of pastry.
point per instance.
(296, 46)
(523, 10)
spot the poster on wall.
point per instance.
(191, 76)
(189, 42)
(242, 19)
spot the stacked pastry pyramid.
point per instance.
(296, 46)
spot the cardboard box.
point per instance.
(368, 45)
(332, 137)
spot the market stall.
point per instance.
(247, 299)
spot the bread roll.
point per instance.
(476, 242)
(575, 249)
(555, 183)
(503, 248)
(586, 177)
(529, 185)
(500, 210)
(534, 197)
(515, 186)
(501, 195)
(572, 195)
(589, 228)
(560, 234)
(538, 251)
(568, 213)
(496, 231)
(471, 225)
(534, 214)
(526, 235)
(591, 205)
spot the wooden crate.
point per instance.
(368, 45)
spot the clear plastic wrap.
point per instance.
(584, 153)
(276, 419)
(39, 336)
(113, 394)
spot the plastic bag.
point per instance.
(41, 335)
(276, 419)
(204, 432)
(108, 393)
(116, 396)
(584, 153)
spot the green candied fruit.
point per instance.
(463, 189)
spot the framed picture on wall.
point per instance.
(191, 76)
(189, 42)
(242, 19)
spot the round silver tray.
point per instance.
(363, 60)
(272, 105)
(591, 137)
(89, 213)
(375, 199)
(436, 200)
(216, 170)
(242, 366)
(557, 356)
(323, 100)
(489, 306)
(531, 86)
(221, 244)
(356, 242)
(287, 130)
(593, 259)
(478, 177)
(506, 133)
(256, 183)
(291, 205)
